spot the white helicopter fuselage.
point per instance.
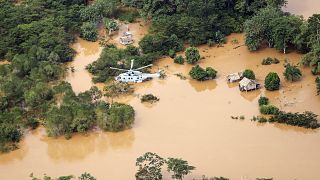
(135, 76)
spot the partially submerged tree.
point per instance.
(150, 165)
(292, 72)
(192, 55)
(248, 73)
(272, 81)
(179, 167)
(115, 89)
(200, 74)
(89, 31)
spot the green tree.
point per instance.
(269, 109)
(284, 31)
(272, 81)
(263, 101)
(258, 28)
(89, 31)
(86, 176)
(248, 73)
(111, 25)
(211, 73)
(179, 60)
(149, 166)
(192, 55)
(292, 72)
(119, 117)
(179, 168)
(198, 73)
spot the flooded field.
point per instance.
(191, 121)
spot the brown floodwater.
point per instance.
(191, 121)
(303, 7)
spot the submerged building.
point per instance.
(248, 84)
(235, 77)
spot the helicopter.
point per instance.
(134, 75)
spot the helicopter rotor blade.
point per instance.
(118, 69)
(143, 67)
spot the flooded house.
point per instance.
(235, 77)
(248, 84)
(126, 38)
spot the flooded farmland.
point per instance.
(191, 121)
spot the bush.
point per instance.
(172, 53)
(269, 60)
(263, 101)
(211, 73)
(248, 73)
(200, 74)
(89, 31)
(292, 73)
(120, 117)
(149, 98)
(306, 119)
(272, 81)
(269, 109)
(192, 55)
(211, 43)
(179, 60)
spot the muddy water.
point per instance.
(305, 7)
(191, 120)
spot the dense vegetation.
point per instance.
(248, 73)
(200, 74)
(150, 166)
(35, 39)
(192, 55)
(272, 81)
(306, 119)
(292, 72)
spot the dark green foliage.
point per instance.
(269, 109)
(98, 10)
(312, 59)
(306, 119)
(284, 31)
(272, 81)
(149, 98)
(214, 178)
(259, 28)
(263, 101)
(89, 31)
(127, 15)
(192, 55)
(292, 72)
(269, 60)
(198, 73)
(160, 43)
(119, 117)
(111, 56)
(318, 85)
(150, 165)
(179, 168)
(248, 73)
(179, 60)
(84, 176)
(211, 73)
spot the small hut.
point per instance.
(126, 38)
(248, 84)
(235, 77)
